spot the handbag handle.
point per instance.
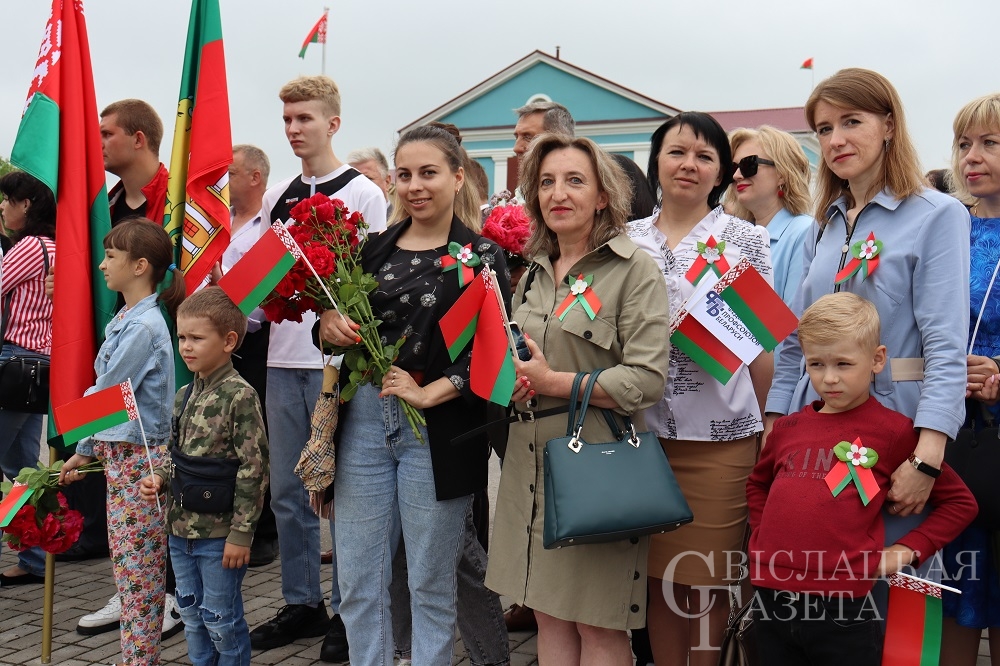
(575, 443)
(574, 397)
(982, 308)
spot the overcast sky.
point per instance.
(395, 60)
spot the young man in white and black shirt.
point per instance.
(294, 371)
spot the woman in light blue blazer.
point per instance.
(771, 188)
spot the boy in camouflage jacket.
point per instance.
(221, 418)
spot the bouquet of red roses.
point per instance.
(330, 277)
(44, 519)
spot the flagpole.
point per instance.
(145, 443)
(49, 594)
(503, 312)
(322, 67)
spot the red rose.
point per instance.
(325, 212)
(274, 311)
(285, 288)
(301, 211)
(322, 260)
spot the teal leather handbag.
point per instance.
(607, 491)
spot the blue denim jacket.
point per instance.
(137, 346)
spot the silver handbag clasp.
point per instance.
(574, 444)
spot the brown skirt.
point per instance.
(713, 478)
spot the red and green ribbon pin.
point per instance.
(462, 259)
(710, 258)
(581, 291)
(854, 463)
(865, 259)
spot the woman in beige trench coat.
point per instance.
(585, 597)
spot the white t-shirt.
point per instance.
(291, 344)
(695, 406)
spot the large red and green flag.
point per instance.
(316, 36)
(197, 209)
(59, 142)
(477, 315)
(705, 349)
(96, 412)
(252, 278)
(13, 501)
(913, 627)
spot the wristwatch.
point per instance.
(921, 466)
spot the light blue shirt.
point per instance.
(921, 290)
(137, 346)
(788, 233)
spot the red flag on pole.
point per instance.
(59, 143)
(316, 36)
(807, 64)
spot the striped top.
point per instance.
(30, 324)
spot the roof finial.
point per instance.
(557, 52)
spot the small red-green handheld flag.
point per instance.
(316, 36)
(477, 316)
(96, 412)
(705, 349)
(913, 628)
(808, 64)
(458, 325)
(13, 501)
(258, 271)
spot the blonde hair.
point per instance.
(834, 317)
(864, 90)
(981, 112)
(790, 161)
(307, 88)
(611, 180)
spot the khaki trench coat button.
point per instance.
(531, 487)
(545, 317)
(635, 576)
(634, 540)
(587, 335)
(634, 608)
(531, 447)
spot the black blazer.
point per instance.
(459, 469)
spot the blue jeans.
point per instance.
(291, 398)
(20, 436)
(385, 482)
(210, 600)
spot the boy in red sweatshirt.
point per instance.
(815, 500)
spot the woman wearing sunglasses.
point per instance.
(771, 188)
(884, 235)
(707, 428)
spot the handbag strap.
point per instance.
(9, 298)
(982, 308)
(574, 396)
(591, 382)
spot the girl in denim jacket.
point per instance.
(137, 346)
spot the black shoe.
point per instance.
(28, 579)
(293, 621)
(263, 552)
(335, 644)
(78, 553)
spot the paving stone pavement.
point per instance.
(83, 587)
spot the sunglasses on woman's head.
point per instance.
(748, 165)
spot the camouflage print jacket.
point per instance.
(222, 420)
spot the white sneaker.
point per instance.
(107, 619)
(172, 623)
